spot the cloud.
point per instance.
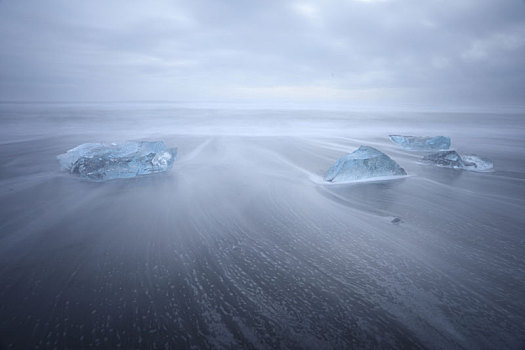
(401, 50)
(371, 1)
(495, 44)
(305, 9)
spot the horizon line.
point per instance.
(291, 105)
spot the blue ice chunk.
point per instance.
(100, 162)
(449, 159)
(364, 163)
(452, 159)
(425, 143)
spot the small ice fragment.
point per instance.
(100, 162)
(425, 143)
(452, 159)
(364, 163)
(477, 163)
(396, 220)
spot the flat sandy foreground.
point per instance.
(241, 246)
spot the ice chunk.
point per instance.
(422, 143)
(452, 159)
(449, 159)
(477, 163)
(100, 162)
(364, 163)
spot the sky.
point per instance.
(356, 52)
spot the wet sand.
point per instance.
(240, 245)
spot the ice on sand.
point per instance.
(364, 163)
(452, 159)
(100, 162)
(425, 143)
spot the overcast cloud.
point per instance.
(462, 52)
